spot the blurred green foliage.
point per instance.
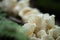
(10, 29)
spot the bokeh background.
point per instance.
(48, 6)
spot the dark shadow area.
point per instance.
(6, 38)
